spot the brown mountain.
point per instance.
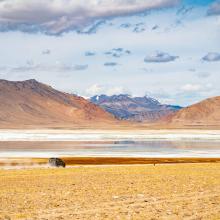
(30, 103)
(202, 114)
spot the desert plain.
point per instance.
(163, 191)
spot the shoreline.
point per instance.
(75, 161)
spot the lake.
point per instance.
(38, 143)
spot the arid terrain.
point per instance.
(172, 191)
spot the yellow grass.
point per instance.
(164, 191)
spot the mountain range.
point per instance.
(31, 104)
(139, 109)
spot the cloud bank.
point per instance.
(58, 16)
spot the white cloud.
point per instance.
(110, 64)
(57, 67)
(196, 87)
(203, 74)
(159, 57)
(115, 90)
(96, 89)
(46, 52)
(57, 16)
(212, 57)
(191, 87)
(80, 67)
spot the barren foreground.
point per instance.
(169, 191)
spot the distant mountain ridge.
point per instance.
(31, 103)
(139, 109)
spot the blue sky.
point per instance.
(198, 2)
(167, 49)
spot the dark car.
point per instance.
(56, 162)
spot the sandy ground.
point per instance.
(164, 191)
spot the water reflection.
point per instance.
(111, 148)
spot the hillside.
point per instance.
(205, 113)
(30, 103)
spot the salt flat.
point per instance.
(110, 135)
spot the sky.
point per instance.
(165, 49)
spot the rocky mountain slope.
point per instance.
(205, 113)
(30, 103)
(141, 109)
